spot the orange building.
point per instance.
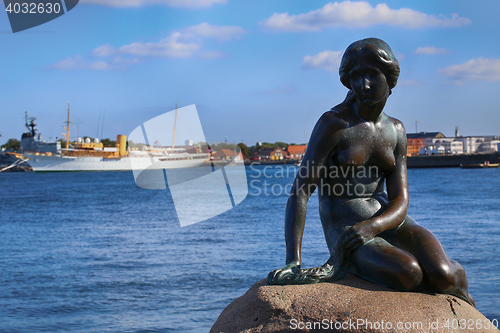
(415, 141)
(414, 145)
(296, 152)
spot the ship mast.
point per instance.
(31, 124)
(175, 124)
(67, 129)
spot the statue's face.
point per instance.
(368, 82)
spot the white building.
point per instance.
(432, 150)
(471, 143)
(480, 144)
(456, 147)
(435, 146)
(489, 146)
(438, 144)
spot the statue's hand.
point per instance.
(358, 234)
(283, 275)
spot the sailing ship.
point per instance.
(91, 155)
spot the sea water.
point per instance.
(92, 252)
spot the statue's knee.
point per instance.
(411, 275)
(443, 278)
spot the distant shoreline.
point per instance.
(418, 161)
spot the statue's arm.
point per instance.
(397, 186)
(397, 191)
(321, 144)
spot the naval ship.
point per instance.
(91, 155)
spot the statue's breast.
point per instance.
(352, 156)
(365, 151)
(383, 157)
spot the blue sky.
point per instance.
(256, 70)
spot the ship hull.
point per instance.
(42, 163)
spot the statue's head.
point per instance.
(375, 50)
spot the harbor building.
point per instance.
(417, 141)
(435, 143)
(296, 152)
(277, 153)
(224, 154)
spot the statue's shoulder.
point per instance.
(338, 117)
(399, 127)
(326, 131)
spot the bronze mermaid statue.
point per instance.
(356, 160)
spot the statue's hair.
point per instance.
(376, 50)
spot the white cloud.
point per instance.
(326, 60)
(169, 47)
(359, 15)
(122, 60)
(75, 62)
(79, 62)
(220, 33)
(474, 69)
(186, 43)
(430, 50)
(103, 51)
(100, 66)
(192, 4)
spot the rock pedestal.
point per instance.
(348, 305)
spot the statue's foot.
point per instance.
(283, 275)
(327, 272)
(335, 269)
(315, 274)
(301, 276)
